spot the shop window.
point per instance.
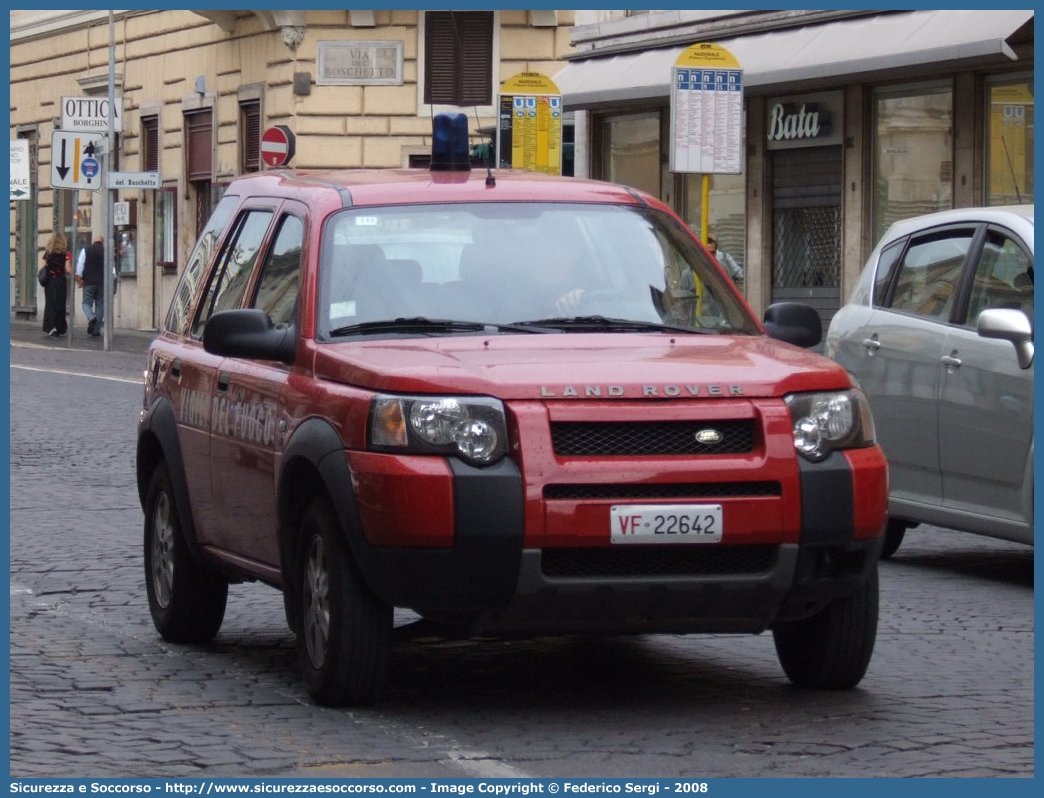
(165, 228)
(726, 212)
(250, 136)
(1009, 142)
(127, 252)
(631, 151)
(458, 57)
(913, 154)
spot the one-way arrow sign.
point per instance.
(73, 160)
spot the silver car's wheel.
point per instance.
(343, 628)
(186, 597)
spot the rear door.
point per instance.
(985, 399)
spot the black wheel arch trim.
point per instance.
(478, 573)
(160, 421)
(827, 500)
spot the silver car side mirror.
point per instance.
(1009, 325)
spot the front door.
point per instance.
(985, 399)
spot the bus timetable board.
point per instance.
(530, 124)
(707, 112)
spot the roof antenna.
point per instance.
(491, 151)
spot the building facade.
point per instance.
(194, 91)
(852, 119)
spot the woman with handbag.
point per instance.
(55, 281)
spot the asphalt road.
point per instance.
(96, 693)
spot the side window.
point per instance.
(181, 307)
(229, 281)
(885, 271)
(1003, 277)
(280, 277)
(930, 272)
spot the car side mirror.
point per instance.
(249, 333)
(794, 323)
(1009, 325)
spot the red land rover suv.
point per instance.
(511, 403)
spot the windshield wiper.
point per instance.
(426, 326)
(606, 324)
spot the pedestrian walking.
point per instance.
(55, 281)
(90, 275)
(728, 263)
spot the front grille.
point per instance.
(697, 490)
(649, 438)
(664, 560)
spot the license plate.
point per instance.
(665, 523)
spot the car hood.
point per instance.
(613, 366)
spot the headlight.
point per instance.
(470, 427)
(824, 422)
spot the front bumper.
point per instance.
(487, 575)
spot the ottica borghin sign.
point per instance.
(91, 114)
(805, 120)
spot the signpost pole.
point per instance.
(108, 284)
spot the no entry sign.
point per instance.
(277, 145)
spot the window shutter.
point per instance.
(150, 144)
(458, 67)
(199, 128)
(476, 73)
(250, 145)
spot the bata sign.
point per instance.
(91, 114)
(806, 121)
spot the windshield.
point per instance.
(513, 267)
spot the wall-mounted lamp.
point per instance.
(201, 85)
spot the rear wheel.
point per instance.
(186, 599)
(831, 650)
(344, 630)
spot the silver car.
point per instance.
(939, 332)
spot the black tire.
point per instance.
(831, 650)
(186, 598)
(893, 538)
(344, 630)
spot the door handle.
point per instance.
(952, 360)
(871, 344)
(223, 380)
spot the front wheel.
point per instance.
(186, 599)
(893, 537)
(344, 629)
(831, 650)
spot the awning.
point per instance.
(843, 48)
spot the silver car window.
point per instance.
(1003, 277)
(930, 273)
